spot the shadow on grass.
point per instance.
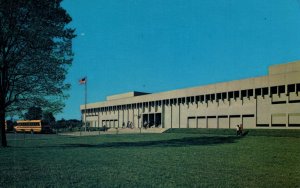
(182, 142)
(245, 133)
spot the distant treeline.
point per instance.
(67, 124)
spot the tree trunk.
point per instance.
(2, 130)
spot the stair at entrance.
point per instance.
(135, 130)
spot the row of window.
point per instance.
(28, 124)
(265, 91)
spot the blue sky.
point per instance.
(161, 45)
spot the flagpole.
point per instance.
(85, 101)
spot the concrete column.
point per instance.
(154, 119)
(148, 118)
(255, 113)
(270, 120)
(162, 115)
(127, 106)
(118, 117)
(286, 93)
(132, 114)
(187, 123)
(123, 121)
(98, 119)
(287, 119)
(138, 115)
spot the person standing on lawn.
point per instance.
(237, 130)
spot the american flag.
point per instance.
(82, 80)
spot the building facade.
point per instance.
(271, 101)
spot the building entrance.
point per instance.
(151, 120)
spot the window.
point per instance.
(236, 94)
(244, 93)
(230, 94)
(202, 98)
(188, 99)
(207, 98)
(192, 99)
(250, 92)
(224, 95)
(183, 100)
(171, 101)
(258, 92)
(213, 97)
(197, 99)
(219, 96)
(159, 103)
(165, 102)
(281, 89)
(273, 90)
(265, 91)
(291, 88)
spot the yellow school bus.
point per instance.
(33, 126)
(8, 126)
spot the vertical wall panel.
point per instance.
(201, 122)
(183, 115)
(263, 110)
(278, 120)
(175, 116)
(294, 120)
(249, 122)
(126, 116)
(112, 123)
(167, 114)
(212, 122)
(234, 121)
(223, 122)
(192, 122)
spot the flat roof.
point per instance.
(125, 95)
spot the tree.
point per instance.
(49, 118)
(35, 54)
(34, 113)
(72, 123)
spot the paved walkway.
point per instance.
(115, 131)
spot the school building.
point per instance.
(271, 101)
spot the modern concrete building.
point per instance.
(271, 101)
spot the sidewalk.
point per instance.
(115, 131)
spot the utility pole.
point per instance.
(83, 81)
(85, 101)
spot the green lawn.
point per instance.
(175, 159)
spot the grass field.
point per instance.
(179, 158)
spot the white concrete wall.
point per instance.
(257, 111)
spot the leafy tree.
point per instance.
(35, 54)
(34, 113)
(49, 118)
(72, 123)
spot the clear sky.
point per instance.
(161, 45)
